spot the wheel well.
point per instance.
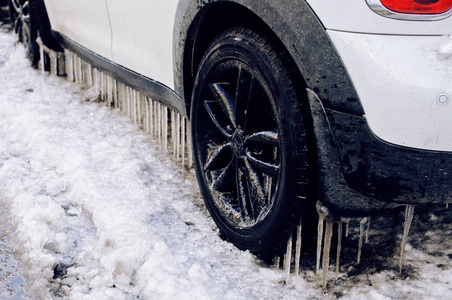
(208, 24)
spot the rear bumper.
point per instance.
(389, 172)
(360, 174)
(404, 84)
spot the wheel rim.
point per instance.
(21, 19)
(238, 142)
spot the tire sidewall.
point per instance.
(283, 212)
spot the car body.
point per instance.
(377, 83)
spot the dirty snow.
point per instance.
(92, 208)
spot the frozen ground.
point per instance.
(93, 209)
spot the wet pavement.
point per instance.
(12, 285)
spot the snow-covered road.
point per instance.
(94, 209)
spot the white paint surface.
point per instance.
(403, 83)
(143, 37)
(83, 21)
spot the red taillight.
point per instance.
(418, 6)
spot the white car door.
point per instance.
(143, 36)
(83, 21)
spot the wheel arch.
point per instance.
(294, 24)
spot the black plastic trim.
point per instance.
(149, 87)
(360, 174)
(387, 171)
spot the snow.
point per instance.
(84, 190)
(444, 47)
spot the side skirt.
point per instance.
(144, 85)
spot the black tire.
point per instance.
(252, 141)
(25, 28)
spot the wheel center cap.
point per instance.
(237, 143)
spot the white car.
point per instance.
(345, 102)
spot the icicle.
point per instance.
(125, 104)
(53, 63)
(146, 115)
(115, 94)
(41, 52)
(75, 58)
(82, 72)
(109, 91)
(140, 109)
(61, 64)
(361, 236)
(177, 135)
(136, 102)
(347, 225)
(129, 103)
(78, 70)
(368, 230)
(72, 67)
(322, 211)
(183, 140)
(151, 121)
(134, 107)
(288, 259)
(120, 100)
(326, 251)
(189, 143)
(69, 65)
(409, 213)
(156, 119)
(149, 110)
(298, 248)
(162, 123)
(173, 130)
(165, 122)
(123, 98)
(319, 243)
(339, 247)
(96, 80)
(102, 86)
(105, 84)
(159, 133)
(276, 262)
(106, 90)
(89, 75)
